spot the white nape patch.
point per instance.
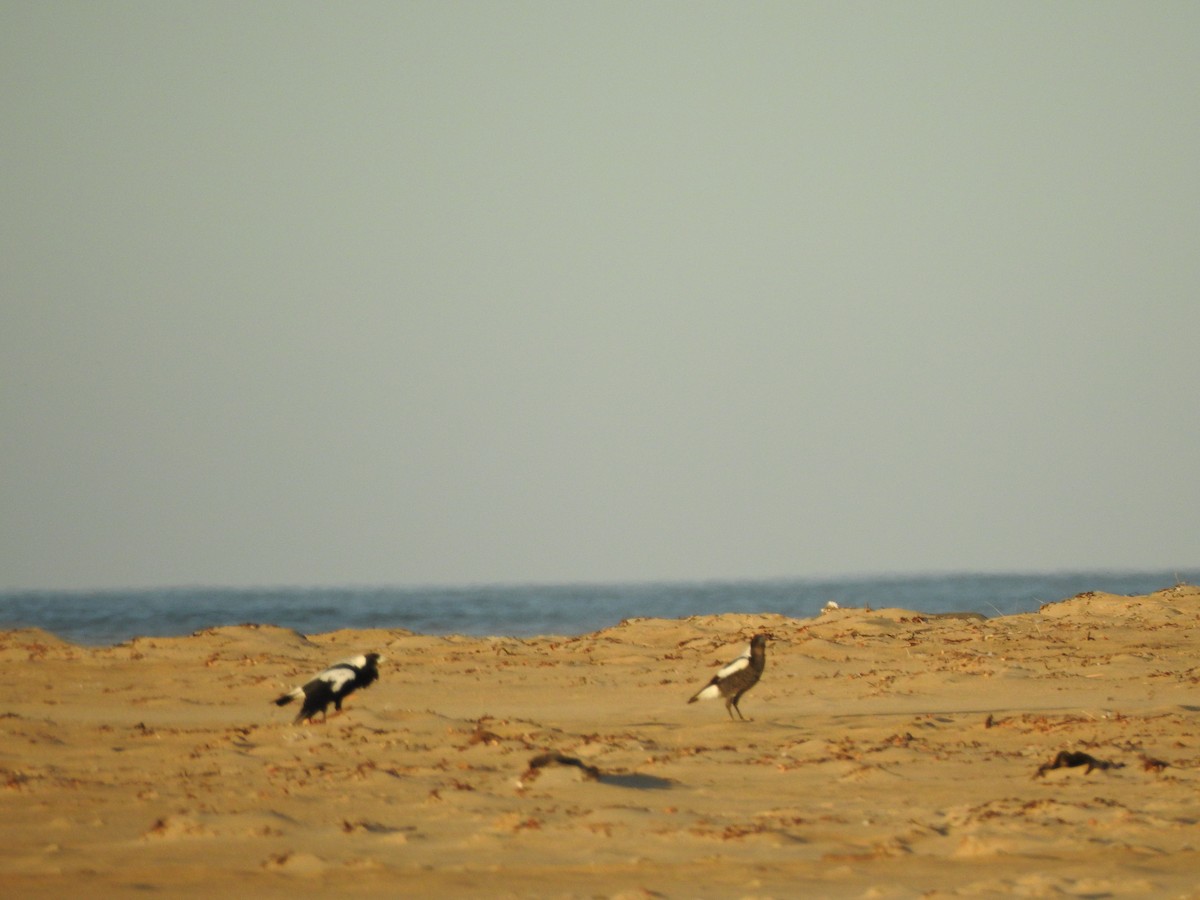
(709, 693)
(357, 661)
(736, 666)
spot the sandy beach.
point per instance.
(887, 754)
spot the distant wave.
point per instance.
(109, 617)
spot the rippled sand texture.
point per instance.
(889, 754)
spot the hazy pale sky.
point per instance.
(406, 293)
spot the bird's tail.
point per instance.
(706, 693)
(285, 699)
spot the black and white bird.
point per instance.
(333, 685)
(738, 677)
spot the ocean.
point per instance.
(111, 617)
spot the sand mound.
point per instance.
(889, 753)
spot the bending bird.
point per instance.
(333, 685)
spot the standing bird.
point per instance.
(737, 677)
(333, 685)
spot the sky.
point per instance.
(418, 293)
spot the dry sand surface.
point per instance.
(888, 754)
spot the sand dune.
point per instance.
(889, 754)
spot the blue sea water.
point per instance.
(110, 617)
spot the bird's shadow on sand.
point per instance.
(637, 782)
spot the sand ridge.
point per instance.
(889, 754)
